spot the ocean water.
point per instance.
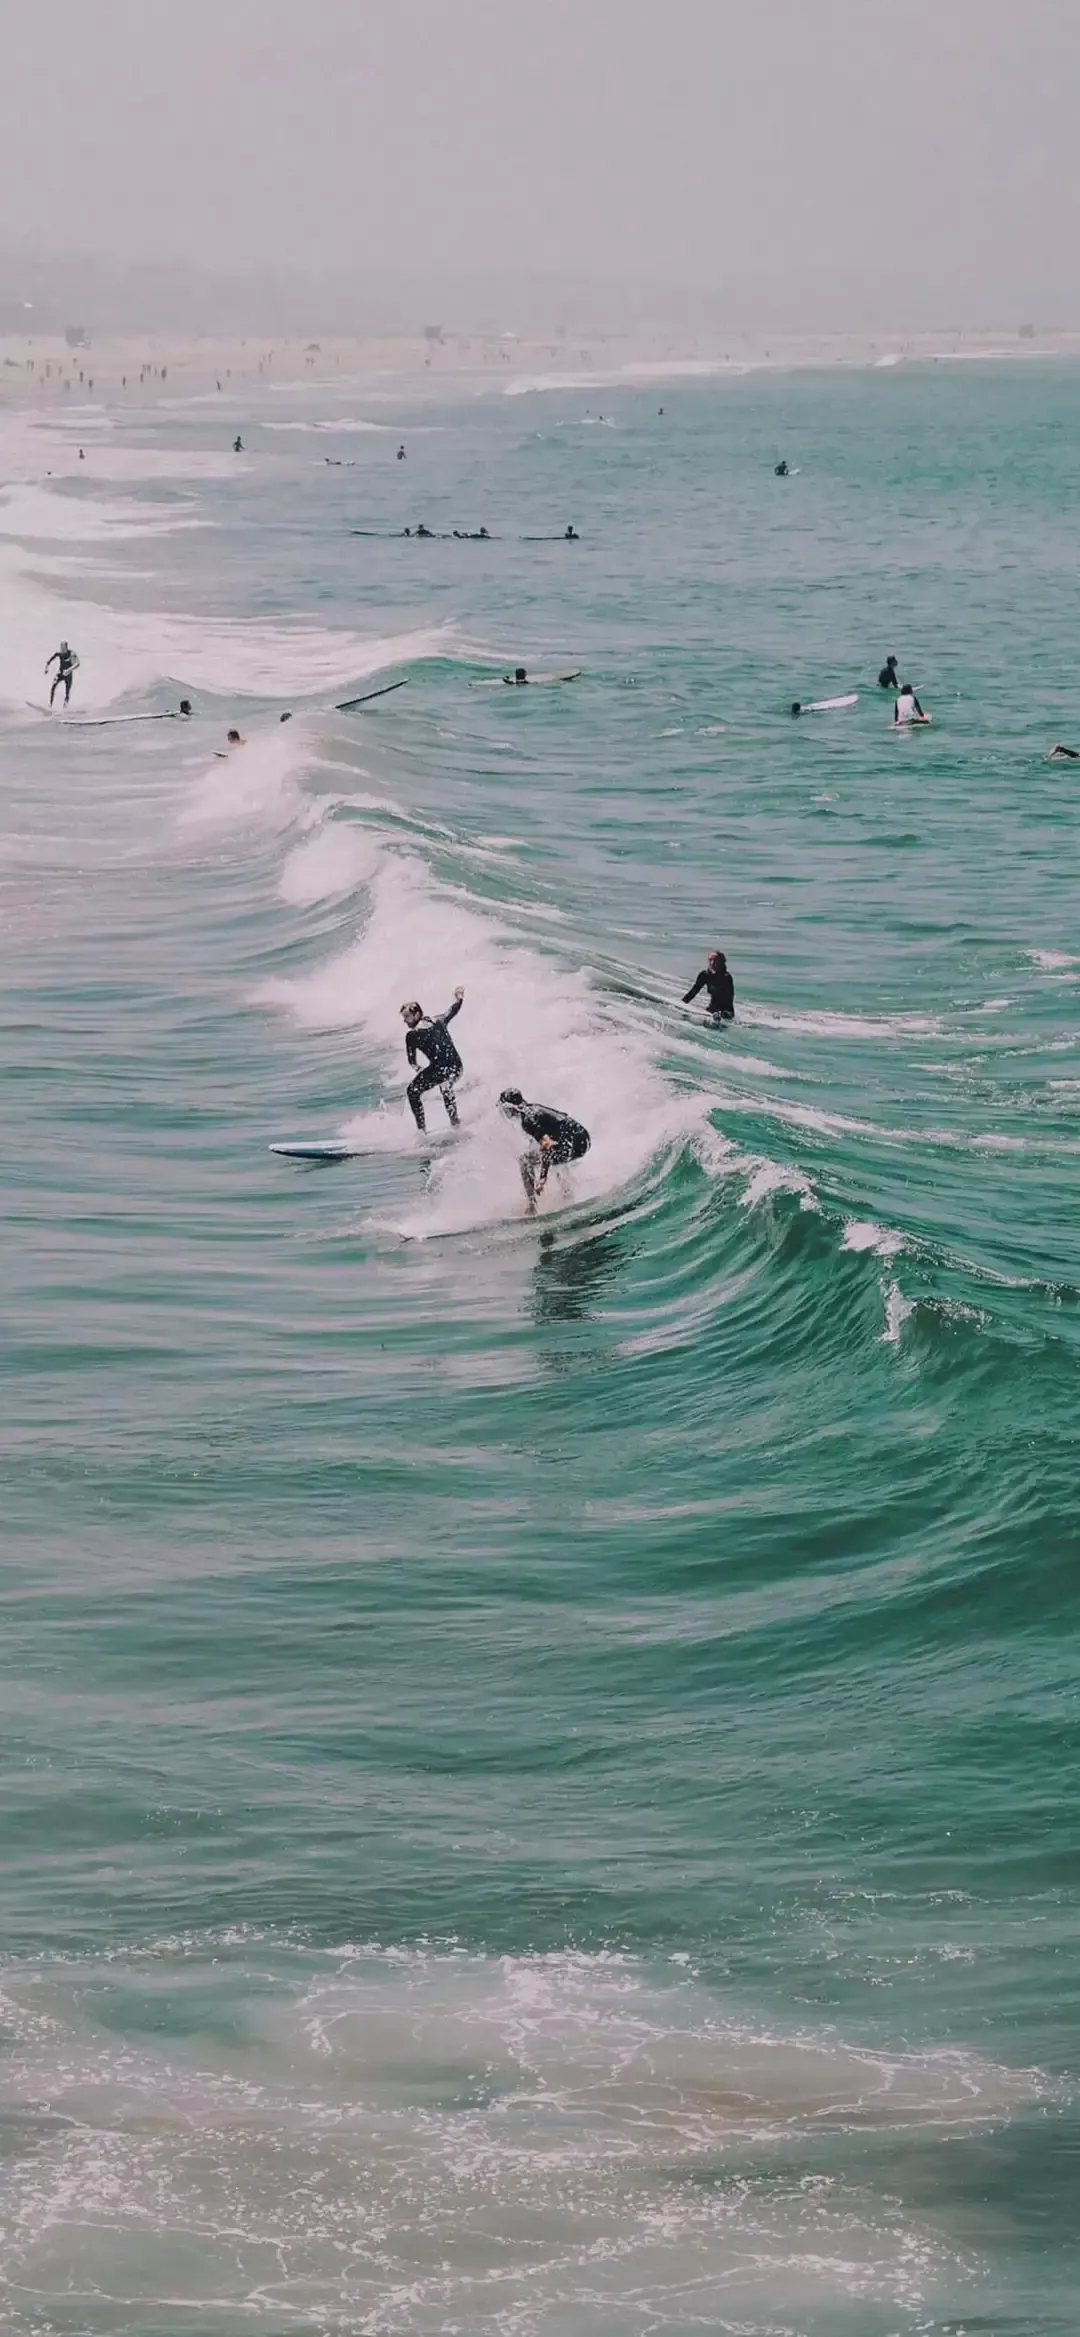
(539, 1766)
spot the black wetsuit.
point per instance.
(568, 1140)
(64, 661)
(888, 678)
(444, 1064)
(717, 981)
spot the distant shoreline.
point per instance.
(154, 370)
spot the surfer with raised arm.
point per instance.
(555, 1140)
(427, 1034)
(66, 662)
(716, 981)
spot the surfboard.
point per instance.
(349, 705)
(316, 1151)
(830, 705)
(326, 1152)
(107, 721)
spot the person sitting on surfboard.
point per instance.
(716, 980)
(556, 1140)
(907, 707)
(571, 535)
(65, 661)
(429, 1033)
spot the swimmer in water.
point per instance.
(715, 979)
(556, 1140)
(518, 679)
(428, 1034)
(889, 677)
(907, 708)
(1064, 755)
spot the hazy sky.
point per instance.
(925, 148)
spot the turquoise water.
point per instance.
(540, 1759)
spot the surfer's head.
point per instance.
(412, 1012)
(185, 705)
(716, 958)
(796, 706)
(520, 674)
(512, 1102)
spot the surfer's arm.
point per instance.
(689, 995)
(453, 1008)
(410, 1048)
(53, 660)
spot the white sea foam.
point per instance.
(346, 423)
(861, 1233)
(898, 1309)
(419, 2139)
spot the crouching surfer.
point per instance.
(427, 1034)
(555, 1140)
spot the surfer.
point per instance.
(429, 1034)
(781, 471)
(65, 661)
(889, 677)
(184, 708)
(571, 536)
(1064, 755)
(556, 1140)
(716, 980)
(238, 444)
(401, 456)
(518, 679)
(421, 530)
(907, 708)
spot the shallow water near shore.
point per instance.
(540, 1758)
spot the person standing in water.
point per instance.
(889, 677)
(66, 662)
(716, 980)
(556, 1140)
(428, 1035)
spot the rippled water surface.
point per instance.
(540, 1761)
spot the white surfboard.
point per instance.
(830, 705)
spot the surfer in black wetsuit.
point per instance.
(556, 1140)
(716, 980)
(571, 536)
(518, 680)
(428, 1034)
(238, 444)
(65, 661)
(889, 677)
(781, 471)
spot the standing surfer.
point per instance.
(66, 662)
(556, 1140)
(428, 1034)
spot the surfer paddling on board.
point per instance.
(907, 708)
(428, 1035)
(66, 663)
(556, 1140)
(716, 981)
(518, 680)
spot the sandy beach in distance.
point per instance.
(148, 370)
